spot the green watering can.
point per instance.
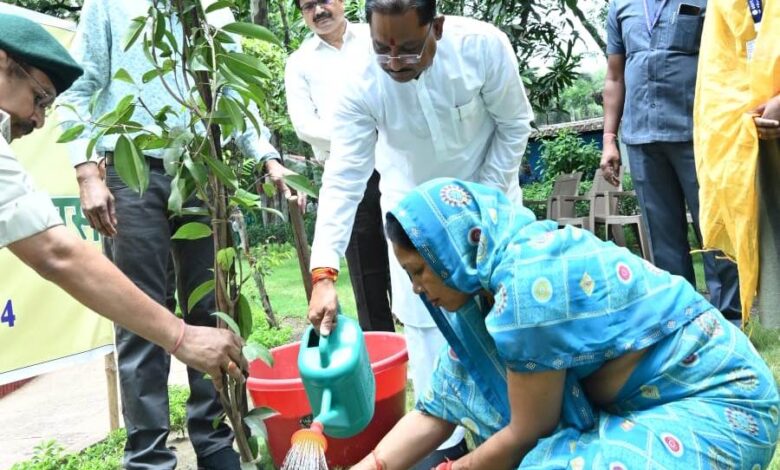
(337, 376)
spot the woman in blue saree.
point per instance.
(566, 351)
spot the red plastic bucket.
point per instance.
(280, 388)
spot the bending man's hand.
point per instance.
(323, 305)
(97, 202)
(215, 351)
(276, 171)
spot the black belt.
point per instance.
(154, 163)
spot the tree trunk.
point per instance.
(285, 25)
(270, 316)
(260, 12)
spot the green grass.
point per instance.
(767, 342)
(288, 297)
(288, 301)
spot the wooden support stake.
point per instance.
(301, 242)
(113, 390)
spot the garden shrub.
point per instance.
(566, 153)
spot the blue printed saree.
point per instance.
(565, 300)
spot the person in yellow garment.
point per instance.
(34, 69)
(737, 144)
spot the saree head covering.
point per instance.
(562, 298)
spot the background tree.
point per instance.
(65, 9)
(546, 57)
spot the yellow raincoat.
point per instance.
(726, 144)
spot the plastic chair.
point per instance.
(604, 209)
(565, 185)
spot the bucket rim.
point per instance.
(296, 384)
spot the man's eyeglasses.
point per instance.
(405, 59)
(43, 99)
(310, 6)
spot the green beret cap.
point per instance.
(32, 44)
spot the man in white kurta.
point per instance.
(314, 77)
(460, 111)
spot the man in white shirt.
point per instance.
(430, 102)
(314, 74)
(34, 69)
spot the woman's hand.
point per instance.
(411, 439)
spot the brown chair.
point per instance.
(565, 185)
(604, 209)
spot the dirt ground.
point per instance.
(71, 407)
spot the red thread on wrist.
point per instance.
(319, 274)
(606, 134)
(179, 340)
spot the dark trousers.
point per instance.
(369, 269)
(769, 233)
(142, 250)
(664, 176)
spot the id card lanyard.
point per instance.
(756, 8)
(651, 22)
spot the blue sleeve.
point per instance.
(454, 397)
(614, 31)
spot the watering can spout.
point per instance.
(337, 376)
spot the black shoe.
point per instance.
(223, 459)
(438, 456)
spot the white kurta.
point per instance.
(467, 116)
(313, 80)
(24, 211)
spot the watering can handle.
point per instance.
(324, 357)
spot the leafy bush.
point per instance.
(277, 232)
(177, 405)
(537, 191)
(269, 337)
(105, 455)
(274, 109)
(566, 153)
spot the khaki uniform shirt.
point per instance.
(24, 211)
